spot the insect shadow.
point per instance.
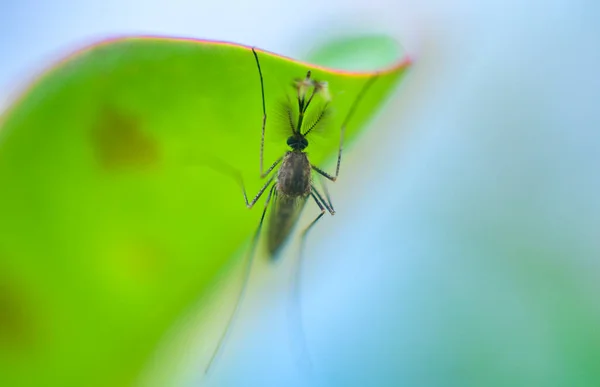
(289, 183)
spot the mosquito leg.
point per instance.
(246, 274)
(363, 91)
(224, 167)
(295, 315)
(266, 173)
(323, 173)
(263, 173)
(259, 194)
(327, 203)
(315, 195)
(324, 185)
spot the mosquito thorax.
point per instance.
(297, 142)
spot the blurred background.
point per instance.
(465, 248)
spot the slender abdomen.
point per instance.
(293, 177)
(285, 212)
(293, 187)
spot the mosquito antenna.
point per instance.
(289, 114)
(302, 87)
(312, 95)
(322, 114)
(318, 87)
(301, 91)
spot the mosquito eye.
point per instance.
(304, 143)
(291, 141)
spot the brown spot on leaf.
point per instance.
(120, 142)
(16, 324)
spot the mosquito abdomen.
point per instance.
(292, 189)
(294, 175)
(285, 211)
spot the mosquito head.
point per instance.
(297, 142)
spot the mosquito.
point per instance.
(289, 184)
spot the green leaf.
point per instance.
(111, 224)
(366, 52)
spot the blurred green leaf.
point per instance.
(358, 53)
(110, 226)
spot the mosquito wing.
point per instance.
(285, 211)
